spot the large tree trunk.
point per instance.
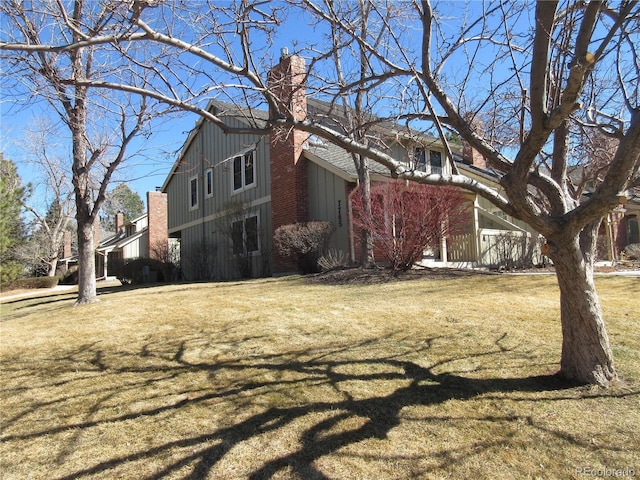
(587, 357)
(86, 263)
(53, 266)
(367, 257)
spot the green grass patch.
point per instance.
(280, 378)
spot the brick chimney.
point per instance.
(470, 155)
(157, 225)
(289, 191)
(66, 244)
(119, 222)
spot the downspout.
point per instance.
(350, 224)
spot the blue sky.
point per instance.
(151, 158)
(144, 171)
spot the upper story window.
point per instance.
(419, 159)
(208, 183)
(193, 192)
(435, 161)
(244, 171)
(434, 165)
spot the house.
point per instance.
(145, 236)
(620, 227)
(227, 194)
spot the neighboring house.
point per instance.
(620, 227)
(227, 194)
(145, 236)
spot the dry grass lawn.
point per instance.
(280, 378)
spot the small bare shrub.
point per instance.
(631, 252)
(306, 240)
(198, 260)
(333, 260)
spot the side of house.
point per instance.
(219, 203)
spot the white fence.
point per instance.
(497, 248)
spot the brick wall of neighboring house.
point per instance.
(66, 245)
(289, 191)
(157, 225)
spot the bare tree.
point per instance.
(100, 126)
(540, 69)
(572, 50)
(44, 155)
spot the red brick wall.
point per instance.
(119, 222)
(157, 220)
(289, 191)
(356, 238)
(66, 245)
(471, 156)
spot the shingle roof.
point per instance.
(324, 151)
(339, 157)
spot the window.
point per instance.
(419, 160)
(244, 171)
(251, 233)
(193, 193)
(244, 236)
(208, 183)
(633, 235)
(500, 213)
(435, 161)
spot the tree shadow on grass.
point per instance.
(333, 367)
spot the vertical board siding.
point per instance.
(210, 148)
(327, 201)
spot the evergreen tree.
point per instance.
(121, 199)
(12, 230)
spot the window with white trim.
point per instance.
(419, 160)
(420, 164)
(500, 213)
(244, 171)
(435, 161)
(245, 236)
(208, 183)
(193, 192)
